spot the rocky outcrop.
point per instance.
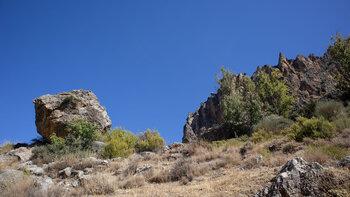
(308, 78)
(53, 112)
(297, 178)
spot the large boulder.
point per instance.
(297, 178)
(53, 112)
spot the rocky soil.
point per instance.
(235, 168)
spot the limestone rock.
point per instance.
(297, 178)
(65, 173)
(345, 162)
(53, 112)
(144, 167)
(23, 153)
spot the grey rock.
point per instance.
(65, 173)
(345, 162)
(77, 173)
(175, 156)
(297, 178)
(259, 159)
(76, 183)
(43, 183)
(22, 153)
(116, 159)
(53, 112)
(144, 168)
(147, 154)
(98, 146)
(136, 156)
(117, 172)
(88, 170)
(35, 170)
(9, 177)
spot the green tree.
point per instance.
(82, 132)
(239, 103)
(274, 93)
(340, 52)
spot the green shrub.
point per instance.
(119, 143)
(312, 128)
(78, 141)
(84, 132)
(149, 140)
(274, 124)
(274, 93)
(342, 123)
(261, 135)
(329, 110)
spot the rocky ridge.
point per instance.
(308, 78)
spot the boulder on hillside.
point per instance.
(53, 112)
(297, 178)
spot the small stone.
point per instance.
(144, 168)
(88, 170)
(65, 173)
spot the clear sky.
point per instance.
(148, 62)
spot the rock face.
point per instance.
(297, 178)
(53, 112)
(308, 78)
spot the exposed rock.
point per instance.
(77, 173)
(65, 173)
(97, 146)
(147, 154)
(297, 178)
(308, 78)
(23, 153)
(35, 170)
(345, 162)
(43, 183)
(88, 170)
(175, 156)
(144, 167)
(53, 112)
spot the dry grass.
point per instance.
(25, 187)
(334, 181)
(132, 182)
(99, 185)
(6, 147)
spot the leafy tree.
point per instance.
(340, 52)
(239, 104)
(149, 140)
(119, 143)
(274, 93)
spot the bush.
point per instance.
(78, 141)
(149, 140)
(261, 135)
(119, 143)
(274, 93)
(274, 124)
(342, 123)
(329, 110)
(312, 128)
(240, 105)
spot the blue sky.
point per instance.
(148, 62)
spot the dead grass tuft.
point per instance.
(6, 147)
(99, 185)
(132, 182)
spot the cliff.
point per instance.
(308, 78)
